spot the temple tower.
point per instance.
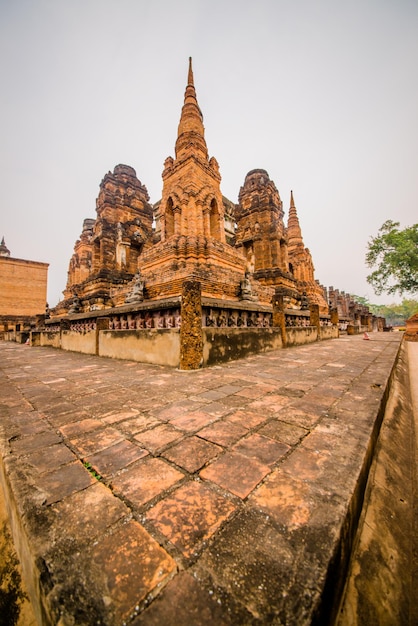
(106, 255)
(300, 261)
(261, 233)
(192, 231)
(191, 203)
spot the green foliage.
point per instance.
(394, 253)
(92, 471)
(394, 314)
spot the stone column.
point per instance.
(334, 319)
(191, 336)
(102, 323)
(314, 318)
(279, 319)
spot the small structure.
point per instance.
(23, 285)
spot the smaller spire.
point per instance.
(293, 226)
(4, 250)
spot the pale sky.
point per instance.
(323, 94)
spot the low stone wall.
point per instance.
(84, 342)
(156, 346)
(300, 335)
(329, 332)
(226, 344)
(188, 331)
(45, 339)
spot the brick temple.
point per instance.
(136, 252)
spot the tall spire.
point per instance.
(191, 132)
(190, 80)
(294, 231)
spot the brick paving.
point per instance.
(148, 495)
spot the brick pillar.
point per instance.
(314, 318)
(191, 336)
(279, 320)
(102, 323)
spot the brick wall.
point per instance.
(22, 286)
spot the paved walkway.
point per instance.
(145, 495)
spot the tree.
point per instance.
(395, 253)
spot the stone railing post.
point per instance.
(279, 319)
(314, 318)
(102, 323)
(335, 321)
(334, 317)
(191, 335)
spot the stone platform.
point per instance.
(144, 495)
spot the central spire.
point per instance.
(191, 132)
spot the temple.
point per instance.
(193, 279)
(236, 252)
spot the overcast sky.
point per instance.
(322, 94)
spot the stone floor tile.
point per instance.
(223, 432)
(146, 480)
(190, 515)
(252, 559)
(88, 512)
(234, 401)
(133, 565)
(68, 417)
(29, 420)
(63, 481)
(283, 431)
(236, 472)
(168, 413)
(217, 409)
(137, 424)
(193, 421)
(248, 419)
(79, 428)
(158, 437)
(112, 459)
(293, 502)
(212, 394)
(185, 602)
(254, 391)
(47, 459)
(270, 404)
(230, 389)
(264, 449)
(96, 441)
(192, 453)
(118, 416)
(295, 416)
(30, 443)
